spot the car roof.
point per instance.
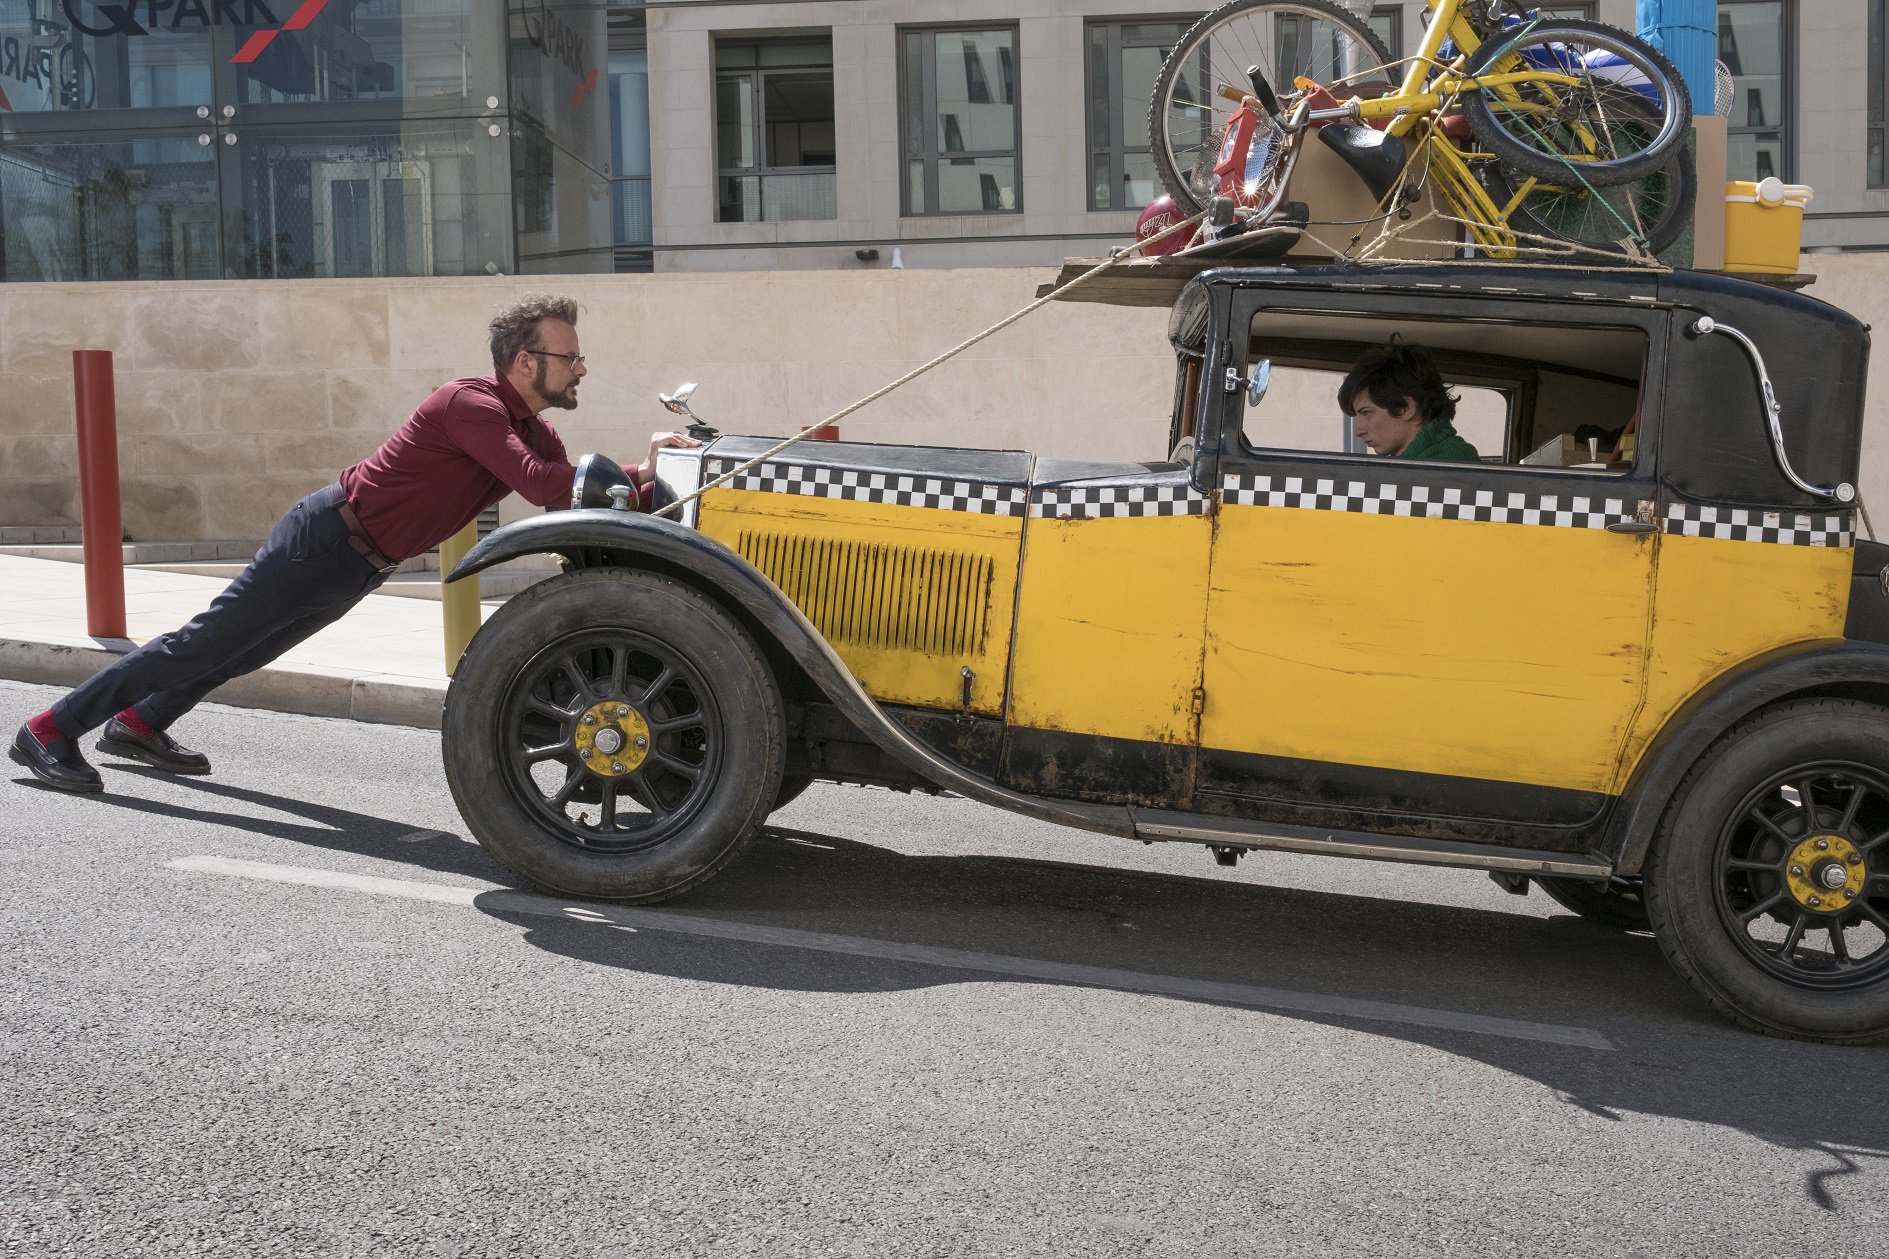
(1636, 286)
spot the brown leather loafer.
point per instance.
(65, 771)
(159, 750)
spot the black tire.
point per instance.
(1650, 213)
(1615, 903)
(792, 785)
(1187, 115)
(1736, 882)
(644, 657)
(1572, 130)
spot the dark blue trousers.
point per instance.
(305, 577)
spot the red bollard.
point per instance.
(99, 518)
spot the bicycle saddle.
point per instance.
(1377, 158)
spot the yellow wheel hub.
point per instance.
(612, 738)
(1826, 873)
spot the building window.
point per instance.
(959, 120)
(1387, 22)
(630, 224)
(774, 141)
(1124, 59)
(1878, 90)
(1754, 45)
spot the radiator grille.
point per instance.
(874, 595)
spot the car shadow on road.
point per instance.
(1674, 1056)
(323, 826)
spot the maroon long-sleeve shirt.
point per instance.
(468, 445)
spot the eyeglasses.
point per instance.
(575, 360)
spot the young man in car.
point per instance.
(1399, 406)
(469, 444)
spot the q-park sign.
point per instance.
(101, 19)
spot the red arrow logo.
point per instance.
(584, 89)
(253, 46)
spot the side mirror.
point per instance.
(1257, 383)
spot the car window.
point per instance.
(1301, 412)
(1527, 394)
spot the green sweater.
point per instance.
(1438, 439)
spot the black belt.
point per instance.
(358, 538)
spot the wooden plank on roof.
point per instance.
(1131, 282)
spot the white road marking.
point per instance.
(624, 917)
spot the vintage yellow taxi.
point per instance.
(1635, 655)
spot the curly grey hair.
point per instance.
(516, 326)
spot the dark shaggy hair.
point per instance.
(1396, 373)
(516, 327)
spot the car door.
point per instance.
(1423, 646)
(1105, 671)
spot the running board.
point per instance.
(1154, 824)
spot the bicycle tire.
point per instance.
(1520, 139)
(1654, 209)
(1186, 118)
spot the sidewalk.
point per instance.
(383, 662)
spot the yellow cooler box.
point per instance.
(1764, 225)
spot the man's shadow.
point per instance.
(326, 826)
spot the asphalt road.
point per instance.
(291, 1010)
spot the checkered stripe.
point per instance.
(1095, 502)
(1566, 511)
(1744, 525)
(895, 488)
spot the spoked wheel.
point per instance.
(1284, 39)
(613, 734)
(1601, 73)
(1644, 215)
(1769, 883)
(611, 739)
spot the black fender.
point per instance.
(606, 536)
(1826, 666)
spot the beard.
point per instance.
(566, 401)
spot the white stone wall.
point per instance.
(236, 398)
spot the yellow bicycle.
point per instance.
(1534, 132)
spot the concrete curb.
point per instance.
(386, 698)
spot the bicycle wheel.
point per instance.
(1283, 39)
(1649, 212)
(1543, 129)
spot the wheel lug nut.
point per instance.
(590, 719)
(1855, 858)
(641, 742)
(616, 767)
(1797, 869)
(1822, 844)
(1816, 901)
(622, 711)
